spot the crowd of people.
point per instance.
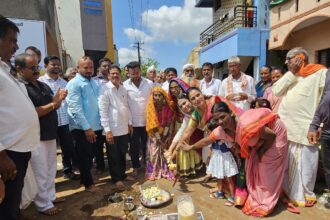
(259, 140)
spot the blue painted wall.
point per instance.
(242, 41)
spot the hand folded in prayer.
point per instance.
(231, 97)
(243, 96)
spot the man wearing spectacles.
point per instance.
(301, 88)
(43, 159)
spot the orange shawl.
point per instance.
(249, 125)
(306, 70)
(167, 114)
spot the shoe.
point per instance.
(230, 201)
(217, 195)
(71, 176)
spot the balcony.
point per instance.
(239, 17)
(204, 3)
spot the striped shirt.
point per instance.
(59, 83)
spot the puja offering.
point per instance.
(153, 196)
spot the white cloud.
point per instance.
(171, 24)
(175, 23)
(137, 35)
(126, 55)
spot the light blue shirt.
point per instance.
(82, 103)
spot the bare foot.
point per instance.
(93, 189)
(206, 178)
(130, 178)
(135, 172)
(52, 211)
(120, 185)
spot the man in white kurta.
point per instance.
(238, 87)
(301, 95)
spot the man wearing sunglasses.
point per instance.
(43, 159)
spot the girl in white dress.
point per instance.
(222, 163)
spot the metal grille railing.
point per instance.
(239, 16)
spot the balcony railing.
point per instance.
(239, 16)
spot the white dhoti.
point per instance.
(300, 174)
(30, 189)
(44, 166)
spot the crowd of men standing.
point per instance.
(89, 112)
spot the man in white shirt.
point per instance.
(170, 73)
(238, 87)
(139, 90)
(116, 121)
(301, 88)
(55, 82)
(19, 130)
(209, 85)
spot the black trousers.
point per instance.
(325, 142)
(98, 152)
(138, 142)
(9, 209)
(65, 140)
(117, 157)
(85, 154)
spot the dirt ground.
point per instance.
(83, 205)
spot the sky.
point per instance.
(169, 29)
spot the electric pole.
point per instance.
(138, 46)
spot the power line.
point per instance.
(131, 12)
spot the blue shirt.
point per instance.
(82, 103)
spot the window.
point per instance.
(323, 57)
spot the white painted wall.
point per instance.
(68, 13)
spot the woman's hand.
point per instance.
(185, 146)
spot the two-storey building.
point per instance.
(303, 23)
(239, 28)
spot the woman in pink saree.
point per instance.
(262, 137)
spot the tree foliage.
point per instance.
(146, 63)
